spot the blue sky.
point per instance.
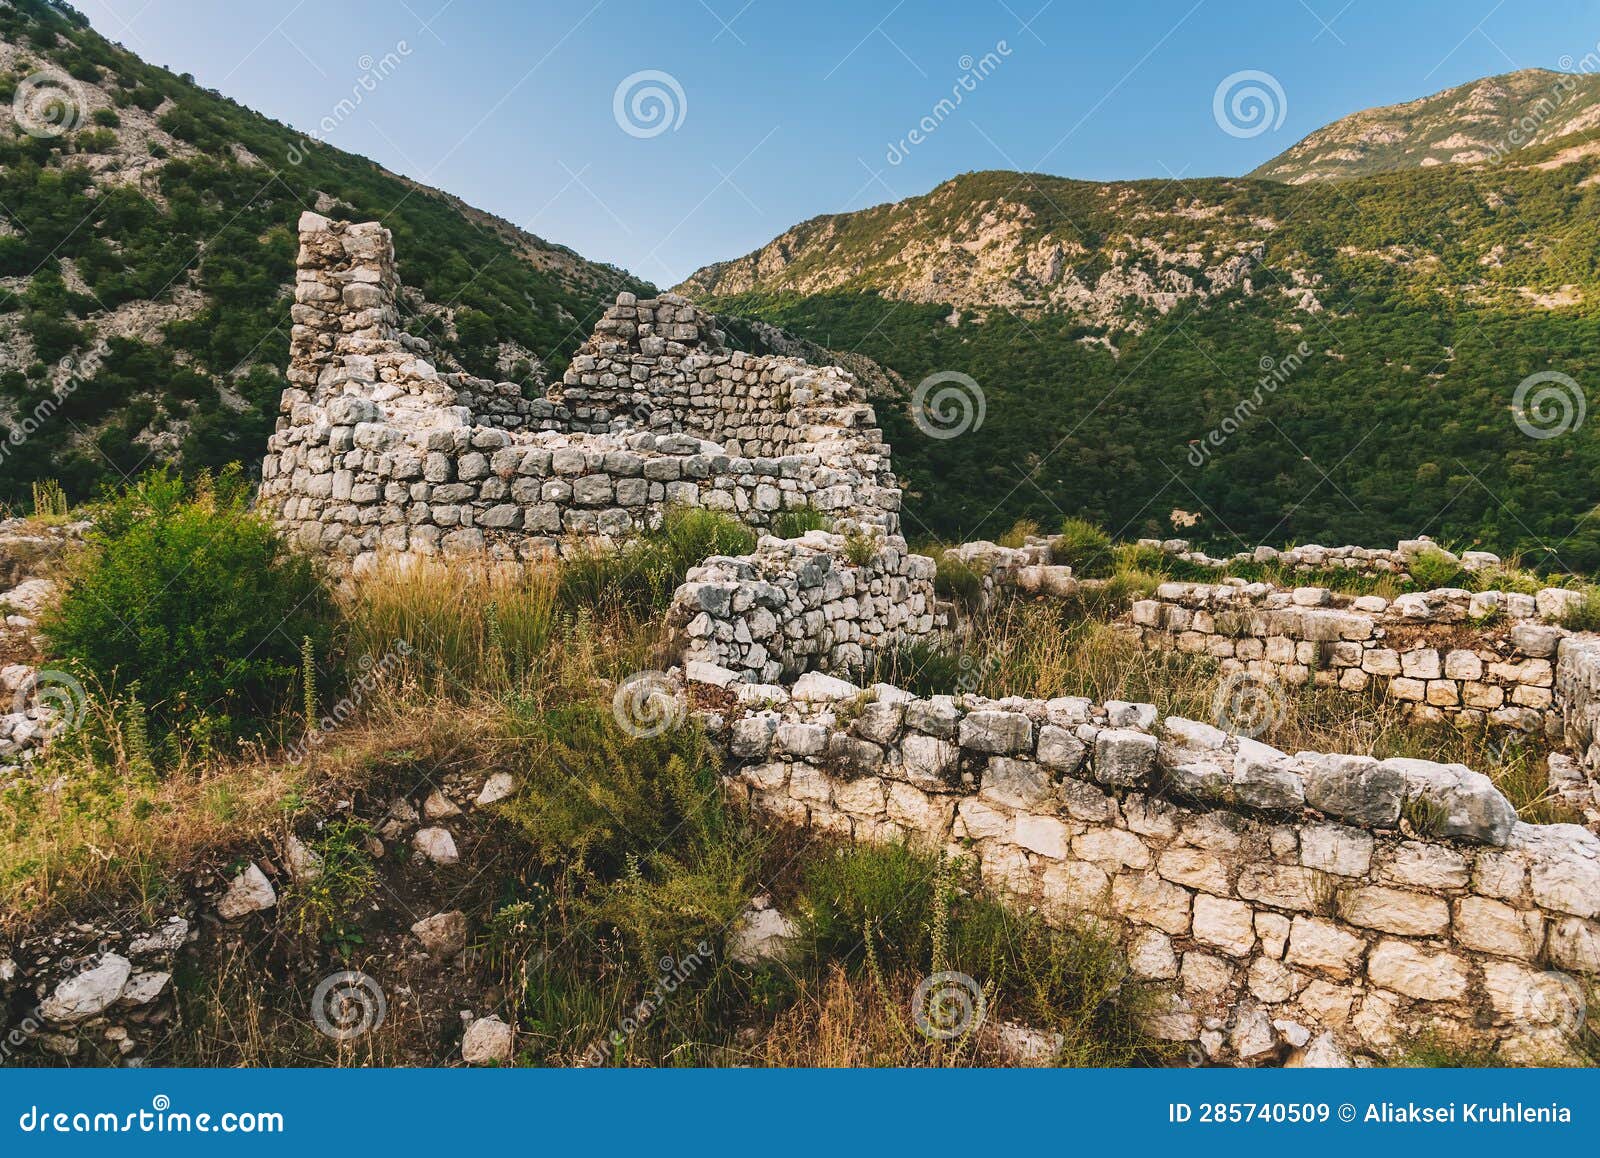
(784, 110)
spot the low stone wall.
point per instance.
(1578, 697)
(1425, 650)
(380, 452)
(802, 604)
(1368, 562)
(1275, 897)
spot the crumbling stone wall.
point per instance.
(1276, 898)
(377, 451)
(802, 604)
(1366, 562)
(1479, 659)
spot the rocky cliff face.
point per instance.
(1478, 123)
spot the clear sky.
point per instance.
(781, 110)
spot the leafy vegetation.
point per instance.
(190, 601)
(218, 216)
(1396, 421)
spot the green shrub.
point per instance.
(793, 524)
(1019, 534)
(1084, 547)
(199, 602)
(1583, 616)
(956, 581)
(641, 822)
(861, 548)
(1432, 569)
(927, 669)
(892, 909)
(641, 576)
(107, 118)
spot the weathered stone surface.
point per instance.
(1418, 973)
(88, 993)
(250, 892)
(488, 1041)
(443, 935)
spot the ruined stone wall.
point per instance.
(802, 604)
(1274, 898)
(1366, 562)
(1484, 658)
(377, 451)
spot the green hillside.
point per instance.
(152, 243)
(1113, 326)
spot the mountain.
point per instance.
(1477, 123)
(1327, 361)
(147, 244)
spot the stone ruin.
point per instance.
(1294, 906)
(379, 452)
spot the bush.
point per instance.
(1432, 569)
(1020, 532)
(197, 601)
(956, 581)
(641, 576)
(1583, 616)
(1084, 547)
(893, 910)
(793, 524)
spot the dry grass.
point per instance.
(845, 1021)
(482, 648)
(1039, 649)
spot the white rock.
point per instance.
(166, 939)
(438, 806)
(1324, 1053)
(443, 935)
(145, 987)
(815, 687)
(759, 935)
(89, 993)
(488, 1041)
(304, 864)
(437, 845)
(250, 892)
(496, 788)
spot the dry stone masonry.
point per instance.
(1278, 900)
(379, 452)
(1426, 650)
(802, 604)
